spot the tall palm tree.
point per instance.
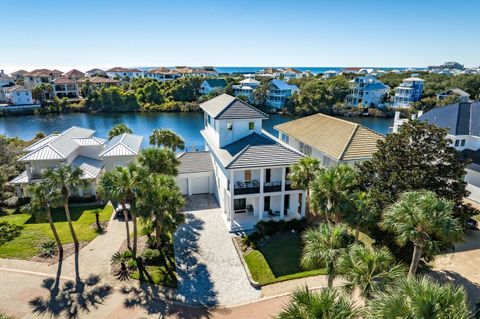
(358, 213)
(323, 247)
(331, 190)
(42, 198)
(159, 161)
(326, 304)
(160, 199)
(167, 138)
(303, 173)
(122, 184)
(369, 269)
(118, 129)
(421, 217)
(420, 298)
(65, 178)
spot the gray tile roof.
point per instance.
(226, 106)
(460, 118)
(256, 150)
(195, 162)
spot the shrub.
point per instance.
(48, 249)
(150, 256)
(8, 232)
(75, 199)
(151, 242)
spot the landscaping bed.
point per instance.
(34, 232)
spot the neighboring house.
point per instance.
(329, 74)
(461, 94)
(123, 73)
(79, 147)
(270, 72)
(98, 81)
(279, 92)
(246, 87)
(63, 87)
(291, 73)
(5, 80)
(95, 72)
(350, 70)
(18, 75)
(332, 140)
(250, 167)
(447, 66)
(185, 71)
(366, 91)
(74, 75)
(463, 123)
(212, 85)
(162, 74)
(408, 92)
(41, 76)
(16, 95)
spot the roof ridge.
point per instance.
(349, 141)
(238, 155)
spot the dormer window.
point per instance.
(229, 126)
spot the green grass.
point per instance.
(35, 232)
(278, 261)
(158, 275)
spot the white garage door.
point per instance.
(199, 185)
(183, 185)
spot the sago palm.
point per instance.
(331, 190)
(369, 269)
(323, 247)
(118, 129)
(420, 217)
(159, 161)
(65, 178)
(325, 304)
(167, 138)
(420, 298)
(42, 198)
(303, 173)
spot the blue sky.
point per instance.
(87, 33)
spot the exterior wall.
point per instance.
(240, 130)
(112, 161)
(65, 90)
(122, 75)
(462, 142)
(31, 82)
(473, 186)
(20, 97)
(36, 167)
(186, 182)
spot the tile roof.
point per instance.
(226, 106)
(63, 81)
(162, 70)
(19, 72)
(459, 118)
(340, 139)
(123, 145)
(15, 88)
(91, 167)
(195, 162)
(98, 80)
(457, 91)
(120, 69)
(40, 73)
(291, 70)
(74, 74)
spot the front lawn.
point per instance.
(35, 232)
(278, 261)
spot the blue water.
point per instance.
(187, 125)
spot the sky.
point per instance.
(106, 33)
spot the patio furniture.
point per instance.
(240, 184)
(272, 214)
(255, 183)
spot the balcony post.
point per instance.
(261, 204)
(284, 178)
(231, 198)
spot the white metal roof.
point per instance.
(91, 167)
(20, 179)
(89, 141)
(123, 145)
(41, 142)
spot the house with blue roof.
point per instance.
(249, 167)
(408, 92)
(366, 91)
(279, 92)
(212, 85)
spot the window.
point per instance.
(268, 175)
(308, 150)
(251, 126)
(457, 142)
(229, 126)
(239, 204)
(462, 143)
(302, 147)
(285, 138)
(247, 176)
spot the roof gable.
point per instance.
(226, 106)
(123, 145)
(216, 83)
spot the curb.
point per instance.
(253, 283)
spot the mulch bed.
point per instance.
(68, 250)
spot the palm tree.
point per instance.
(167, 138)
(64, 179)
(42, 198)
(324, 245)
(420, 298)
(160, 199)
(326, 304)
(369, 269)
(121, 184)
(421, 217)
(358, 213)
(303, 173)
(331, 190)
(159, 161)
(118, 129)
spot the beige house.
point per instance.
(332, 140)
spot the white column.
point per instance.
(302, 210)
(261, 199)
(232, 195)
(284, 172)
(282, 205)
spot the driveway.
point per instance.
(209, 269)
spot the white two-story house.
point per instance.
(78, 147)
(250, 166)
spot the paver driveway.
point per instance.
(209, 268)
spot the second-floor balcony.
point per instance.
(244, 188)
(272, 187)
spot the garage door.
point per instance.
(199, 185)
(183, 185)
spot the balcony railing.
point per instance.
(288, 185)
(272, 187)
(242, 188)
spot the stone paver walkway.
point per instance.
(209, 268)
